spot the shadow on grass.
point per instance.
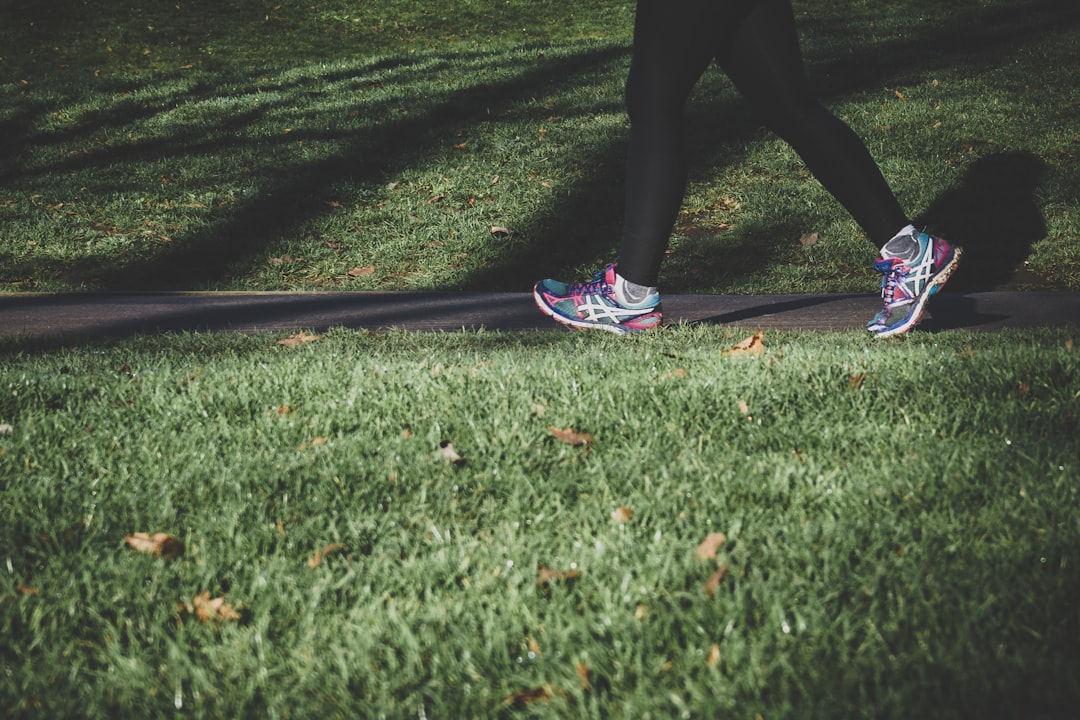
(581, 227)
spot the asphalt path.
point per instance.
(71, 316)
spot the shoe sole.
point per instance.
(932, 289)
(578, 324)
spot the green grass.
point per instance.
(901, 523)
(201, 145)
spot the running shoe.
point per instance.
(592, 304)
(907, 285)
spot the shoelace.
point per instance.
(888, 286)
(596, 285)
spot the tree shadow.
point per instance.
(994, 216)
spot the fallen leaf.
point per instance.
(447, 452)
(621, 515)
(641, 612)
(6, 429)
(300, 338)
(316, 559)
(569, 436)
(808, 239)
(714, 580)
(546, 576)
(709, 546)
(744, 409)
(900, 96)
(544, 693)
(714, 655)
(753, 345)
(25, 589)
(161, 544)
(362, 271)
(583, 675)
(856, 381)
(500, 231)
(207, 609)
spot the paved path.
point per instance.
(115, 315)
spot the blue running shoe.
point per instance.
(592, 305)
(907, 285)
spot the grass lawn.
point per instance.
(488, 525)
(472, 144)
(397, 526)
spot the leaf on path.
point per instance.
(546, 576)
(300, 338)
(808, 239)
(209, 609)
(621, 515)
(362, 271)
(569, 436)
(714, 580)
(161, 544)
(753, 345)
(448, 453)
(709, 546)
(316, 560)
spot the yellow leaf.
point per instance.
(714, 655)
(753, 345)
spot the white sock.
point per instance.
(630, 294)
(904, 245)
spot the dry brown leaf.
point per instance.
(500, 231)
(544, 693)
(26, 589)
(808, 239)
(621, 515)
(715, 579)
(207, 609)
(583, 675)
(569, 436)
(362, 271)
(744, 409)
(546, 576)
(641, 612)
(709, 546)
(161, 544)
(856, 381)
(753, 345)
(714, 655)
(316, 559)
(299, 338)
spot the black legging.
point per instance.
(755, 43)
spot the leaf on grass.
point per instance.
(6, 429)
(519, 700)
(499, 231)
(641, 612)
(621, 515)
(753, 345)
(856, 381)
(161, 544)
(583, 676)
(709, 546)
(808, 239)
(744, 409)
(714, 655)
(448, 453)
(715, 579)
(26, 589)
(546, 576)
(569, 436)
(362, 271)
(209, 609)
(316, 560)
(300, 338)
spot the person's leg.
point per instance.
(674, 42)
(765, 64)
